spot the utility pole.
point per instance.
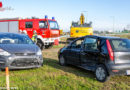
(113, 24)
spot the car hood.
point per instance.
(19, 48)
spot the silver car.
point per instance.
(17, 51)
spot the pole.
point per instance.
(7, 78)
(113, 24)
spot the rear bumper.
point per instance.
(118, 69)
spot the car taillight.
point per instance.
(111, 54)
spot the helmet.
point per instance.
(20, 31)
(34, 32)
(24, 32)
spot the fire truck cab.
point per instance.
(47, 29)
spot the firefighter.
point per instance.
(20, 31)
(34, 37)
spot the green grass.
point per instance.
(58, 46)
(52, 76)
(123, 36)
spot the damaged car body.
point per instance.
(17, 51)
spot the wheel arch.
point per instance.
(60, 55)
(104, 66)
(40, 40)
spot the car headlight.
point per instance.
(4, 53)
(39, 52)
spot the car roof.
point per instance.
(100, 37)
(8, 33)
(103, 37)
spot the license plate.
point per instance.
(128, 72)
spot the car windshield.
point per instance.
(14, 39)
(53, 25)
(120, 44)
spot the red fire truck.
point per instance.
(47, 29)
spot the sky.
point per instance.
(103, 13)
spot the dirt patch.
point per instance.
(51, 53)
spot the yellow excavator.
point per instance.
(81, 28)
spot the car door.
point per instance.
(29, 27)
(90, 52)
(74, 53)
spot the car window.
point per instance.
(15, 39)
(53, 25)
(120, 44)
(28, 24)
(42, 24)
(90, 44)
(77, 44)
(103, 47)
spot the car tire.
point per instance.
(101, 73)
(41, 64)
(62, 61)
(40, 45)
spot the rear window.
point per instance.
(120, 44)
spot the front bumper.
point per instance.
(48, 41)
(21, 62)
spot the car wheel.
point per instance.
(39, 43)
(101, 73)
(41, 64)
(62, 61)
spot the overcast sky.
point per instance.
(100, 12)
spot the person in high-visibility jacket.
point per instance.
(34, 37)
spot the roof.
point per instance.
(8, 33)
(28, 19)
(10, 19)
(105, 37)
